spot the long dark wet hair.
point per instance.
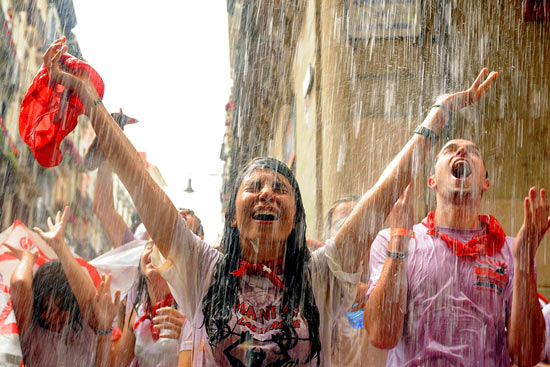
(142, 295)
(50, 280)
(221, 298)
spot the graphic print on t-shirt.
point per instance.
(259, 337)
(490, 274)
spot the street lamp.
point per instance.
(189, 189)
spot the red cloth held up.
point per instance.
(49, 113)
(489, 242)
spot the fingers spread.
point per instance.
(479, 78)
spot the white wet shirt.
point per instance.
(189, 271)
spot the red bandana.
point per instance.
(488, 242)
(166, 302)
(49, 113)
(268, 269)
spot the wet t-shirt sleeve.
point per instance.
(186, 338)
(335, 287)
(546, 351)
(188, 268)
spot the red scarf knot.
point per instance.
(268, 269)
(168, 301)
(489, 242)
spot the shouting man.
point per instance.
(455, 290)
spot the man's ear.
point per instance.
(486, 185)
(431, 183)
(234, 221)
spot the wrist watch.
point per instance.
(427, 133)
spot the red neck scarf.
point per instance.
(488, 242)
(150, 314)
(268, 269)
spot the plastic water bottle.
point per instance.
(355, 318)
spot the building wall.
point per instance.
(373, 93)
(303, 78)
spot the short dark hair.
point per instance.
(344, 199)
(200, 228)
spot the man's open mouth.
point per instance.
(461, 169)
(265, 216)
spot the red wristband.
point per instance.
(401, 232)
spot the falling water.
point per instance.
(332, 88)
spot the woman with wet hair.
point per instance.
(55, 327)
(263, 300)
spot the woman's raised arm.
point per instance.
(154, 207)
(368, 216)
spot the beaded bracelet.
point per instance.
(397, 255)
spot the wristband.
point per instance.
(397, 255)
(427, 133)
(104, 332)
(401, 232)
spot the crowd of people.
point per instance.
(453, 290)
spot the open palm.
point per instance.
(55, 236)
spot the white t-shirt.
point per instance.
(189, 271)
(67, 348)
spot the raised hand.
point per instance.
(104, 307)
(535, 224)
(480, 87)
(71, 79)
(55, 237)
(20, 253)
(170, 320)
(401, 215)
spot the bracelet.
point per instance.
(397, 255)
(104, 332)
(401, 232)
(427, 133)
(98, 101)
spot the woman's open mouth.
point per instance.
(265, 216)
